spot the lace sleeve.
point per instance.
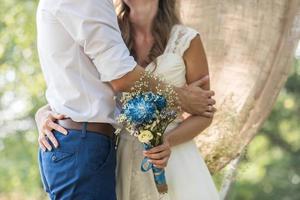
(180, 39)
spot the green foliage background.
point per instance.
(270, 170)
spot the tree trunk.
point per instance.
(250, 45)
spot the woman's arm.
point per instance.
(187, 130)
(196, 68)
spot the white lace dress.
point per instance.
(187, 175)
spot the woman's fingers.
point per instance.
(56, 127)
(51, 138)
(47, 145)
(46, 123)
(44, 143)
(160, 163)
(57, 116)
(158, 156)
(42, 146)
(157, 149)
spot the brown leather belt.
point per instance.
(99, 128)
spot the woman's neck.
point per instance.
(141, 18)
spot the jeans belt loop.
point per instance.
(84, 126)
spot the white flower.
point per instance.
(145, 136)
(121, 118)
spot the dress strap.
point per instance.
(180, 39)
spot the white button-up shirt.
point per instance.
(81, 49)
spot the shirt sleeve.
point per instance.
(93, 25)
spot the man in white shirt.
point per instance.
(85, 61)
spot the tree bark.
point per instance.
(250, 46)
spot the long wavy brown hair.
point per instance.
(167, 16)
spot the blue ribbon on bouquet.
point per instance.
(159, 174)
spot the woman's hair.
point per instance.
(166, 17)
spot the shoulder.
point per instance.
(181, 37)
(180, 30)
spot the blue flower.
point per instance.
(160, 102)
(149, 96)
(139, 111)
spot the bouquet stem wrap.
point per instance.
(159, 174)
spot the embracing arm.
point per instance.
(45, 120)
(196, 67)
(94, 27)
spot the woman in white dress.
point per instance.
(158, 42)
(152, 32)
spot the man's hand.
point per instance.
(195, 100)
(45, 120)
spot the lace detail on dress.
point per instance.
(180, 39)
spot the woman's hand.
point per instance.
(45, 120)
(159, 156)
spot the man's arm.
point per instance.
(93, 25)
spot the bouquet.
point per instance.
(146, 115)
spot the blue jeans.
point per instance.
(81, 168)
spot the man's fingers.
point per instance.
(201, 82)
(214, 110)
(208, 114)
(211, 102)
(208, 93)
(52, 138)
(57, 127)
(211, 109)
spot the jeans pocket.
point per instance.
(98, 154)
(59, 156)
(58, 166)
